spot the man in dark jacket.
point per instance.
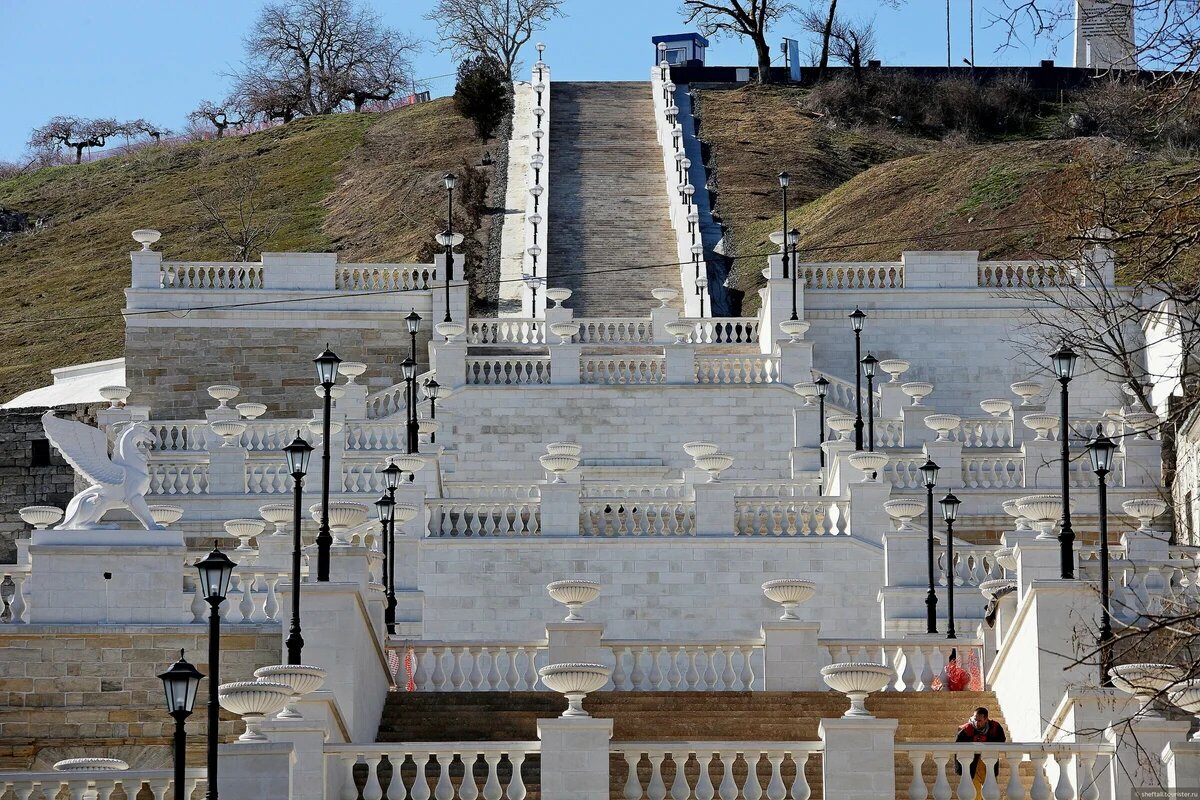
(979, 728)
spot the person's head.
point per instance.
(980, 718)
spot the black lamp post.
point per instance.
(392, 476)
(408, 369)
(869, 365)
(180, 683)
(856, 323)
(327, 372)
(822, 393)
(449, 181)
(793, 238)
(702, 289)
(384, 506)
(784, 180)
(950, 505)
(1064, 361)
(1101, 450)
(413, 321)
(929, 476)
(215, 572)
(297, 454)
(432, 389)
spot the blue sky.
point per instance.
(157, 58)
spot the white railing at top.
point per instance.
(99, 783)
(386, 435)
(641, 516)
(505, 330)
(774, 516)
(211, 275)
(420, 770)
(623, 490)
(614, 330)
(478, 517)
(999, 471)
(736, 369)
(475, 667)
(508, 370)
(733, 666)
(383, 277)
(182, 436)
(1001, 769)
(851, 276)
(711, 769)
(178, 477)
(1027, 274)
(492, 491)
(761, 488)
(723, 330)
(390, 401)
(983, 432)
(615, 370)
(841, 395)
(920, 665)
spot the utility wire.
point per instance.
(341, 295)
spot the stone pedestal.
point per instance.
(449, 359)
(714, 509)
(868, 520)
(906, 559)
(791, 659)
(1043, 464)
(892, 401)
(915, 431)
(575, 757)
(859, 759)
(948, 456)
(1037, 560)
(227, 470)
(1181, 762)
(795, 362)
(560, 509)
(307, 738)
(256, 770)
(659, 318)
(1143, 462)
(1141, 744)
(576, 643)
(564, 363)
(144, 583)
(680, 363)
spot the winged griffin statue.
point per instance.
(117, 482)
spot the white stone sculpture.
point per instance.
(1187, 697)
(943, 424)
(555, 294)
(1043, 510)
(117, 482)
(146, 237)
(575, 682)
(564, 449)
(223, 393)
(351, 370)
(714, 464)
(680, 330)
(841, 424)
(115, 395)
(302, 678)
(697, 449)
(252, 410)
(868, 463)
(1028, 391)
(166, 515)
(1042, 424)
(573, 593)
(450, 330)
(808, 391)
(996, 406)
(789, 593)
(564, 331)
(856, 680)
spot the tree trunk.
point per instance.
(220, 130)
(825, 37)
(764, 59)
(78, 153)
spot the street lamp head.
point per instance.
(413, 321)
(822, 386)
(408, 368)
(215, 570)
(449, 181)
(793, 237)
(297, 453)
(784, 179)
(180, 683)
(929, 473)
(662, 47)
(383, 506)
(392, 476)
(430, 389)
(327, 367)
(541, 48)
(856, 318)
(1063, 361)
(950, 505)
(869, 365)
(1101, 450)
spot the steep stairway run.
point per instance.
(690, 716)
(608, 204)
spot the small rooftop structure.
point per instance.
(682, 49)
(78, 383)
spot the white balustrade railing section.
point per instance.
(773, 516)
(508, 370)
(631, 489)
(622, 369)
(477, 667)
(972, 565)
(1027, 274)
(795, 488)
(473, 517)
(14, 608)
(268, 477)
(178, 477)
(100, 784)
(505, 330)
(383, 277)
(252, 596)
(984, 432)
(1017, 770)
(1000, 471)
(270, 435)
(614, 330)
(636, 516)
(715, 769)
(187, 436)
(841, 396)
(736, 369)
(723, 330)
(211, 275)
(889, 433)
(239, 275)
(389, 436)
(697, 667)
(920, 665)
(492, 491)
(851, 276)
(421, 770)
(390, 401)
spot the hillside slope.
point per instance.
(367, 185)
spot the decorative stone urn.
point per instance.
(904, 510)
(1028, 391)
(806, 390)
(564, 331)
(1013, 510)
(251, 410)
(794, 329)
(253, 701)
(166, 515)
(789, 593)
(556, 295)
(663, 296)
(1040, 423)
(41, 517)
(991, 588)
(697, 449)
(894, 367)
(857, 680)
(336, 392)
(245, 530)
(351, 369)
(564, 449)
(1006, 557)
(714, 464)
(943, 424)
(223, 393)
(450, 330)
(426, 426)
(841, 424)
(228, 429)
(1186, 695)
(278, 514)
(574, 593)
(868, 463)
(680, 330)
(90, 765)
(316, 427)
(1140, 422)
(997, 407)
(575, 682)
(558, 463)
(1144, 510)
(1043, 510)
(146, 237)
(918, 391)
(409, 463)
(302, 678)
(115, 395)
(1145, 681)
(343, 515)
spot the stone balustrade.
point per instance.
(919, 661)
(99, 784)
(420, 770)
(851, 276)
(14, 606)
(716, 769)
(279, 271)
(767, 516)
(478, 517)
(1067, 770)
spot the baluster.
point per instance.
(633, 786)
(752, 788)
(349, 790)
(693, 674)
(776, 790)
(373, 790)
(421, 679)
(800, 788)
(704, 785)
(747, 674)
(475, 679)
(511, 676)
(438, 679)
(493, 675)
(941, 786)
(657, 789)
(467, 789)
(271, 605)
(619, 677)
(637, 678)
(679, 787)
(710, 672)
(456, 675)
(990, 789)
(657, 680)
(1014, 790)
(530, 677)
(1063, 789)
(728, 789)
(444, 789)
(420, 787)
(966, 785)
(674, 676)
(516, 786)
(157, 787)
(916, 786)
(1087, 777)
(907, 674)
(728, 678)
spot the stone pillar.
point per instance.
(307, 738)
(354, 402)
(776, 308)
(1141, 743)
(868, 520)
(892, 401)
(227, 470)
(449, 359)
(458, 290)
(1149, 546)
(558, 314)
(351, 565)
(948, 456)
(560, 509)
(1143, 462)
(108, 417)
(835, 458)
(659, 319)
(147, 264)
(564, 363)
(859, 762)
(915, 431)
(680, 363)
(1043, 467)
(791, 659)
(256, 770)
(905, 558)
(714, 509)
(795, 362)
(575, 757)
(1181, 762)
(1037, 560)
(409, 536)
(576, 643)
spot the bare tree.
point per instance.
(324, 52)
(749, 18)
(826, 31)
(225, 114)
(850, 41)
(495, 28)
(155, 132)
(241, 208)
(76, 133)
